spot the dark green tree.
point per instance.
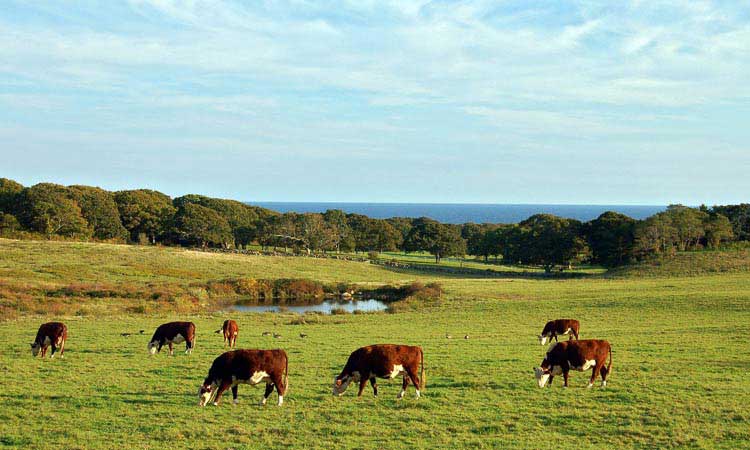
(100, 211)
(440, 240)
(197, 225)
(611, 237)
(9, 195)
(144, 212)
(548, 240)
(739, 217)
(50, 209)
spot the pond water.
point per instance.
(325, 307)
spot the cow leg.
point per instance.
(188, 347)
(554, 335)
(551, 377)
(234, 394)
(604, 373)
(223, 387)
(594, 374)
(374, 384)
(281, 388)
(415, 380)
(575, 333)
(171, 349)
(403, 388)
(565, 378)
(54, 350)
(267, 393)
(362, 384)
(62, 348)
(269, 389)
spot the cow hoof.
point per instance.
(235, 401)
(216, 403)
(281, 400)
(263, 402)
(589, 385)
(604, 384)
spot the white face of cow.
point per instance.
(206, 394)
(340, 384)
(542, 339)
(542, 376)
(153, 347)
(35, 347)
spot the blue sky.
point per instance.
(642, 102)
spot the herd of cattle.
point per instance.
(364, 364)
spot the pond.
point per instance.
(326, 307)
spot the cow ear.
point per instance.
(338, 382)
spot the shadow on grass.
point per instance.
(472, 273)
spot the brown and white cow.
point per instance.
(230, 330)
(51, 334)
(173, 333)
(575, 355)
(246, 367)
(559, 327)
(382, 361)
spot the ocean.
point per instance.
(465, 212)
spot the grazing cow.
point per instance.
(575, 355)
(382, 361)
(246, 367)
(173, 333)
(559, 327)
(50, 334)
(230, 330)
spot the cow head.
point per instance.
(153, 347)
(542, 376)
(35, 347)
(542, 339)
(206, 393)
(341, 382)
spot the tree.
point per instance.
(373, 234)
(8, 223)
(403, 225)
(549, 240)
(49, 209)
(718, 229)
(440, 240)
(144, 212)
(243, 219)
(343, 237)
(9, 195)
(611, 237)
(198, 225)
(99, 209)
(739, 217)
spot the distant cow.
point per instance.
(246, 367)
(559, 327)
(575, 355)
(51, 334)
(230, 330)
(382, 361)
(173, 333)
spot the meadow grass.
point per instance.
(679, 372)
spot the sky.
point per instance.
(518, 101)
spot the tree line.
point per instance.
(145, 216)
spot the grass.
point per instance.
(679, 379)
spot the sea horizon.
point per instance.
(465, 212)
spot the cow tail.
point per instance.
(422, 376)
(609, 366)
(218, 331)
(286, 374)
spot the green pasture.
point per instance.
(680, 350)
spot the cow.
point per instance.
(382, 361)
(246, 367)
(173, 333)
(230, 330)
(52, 334)
(553, 328)
(565, 356)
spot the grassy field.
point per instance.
(680, 354)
